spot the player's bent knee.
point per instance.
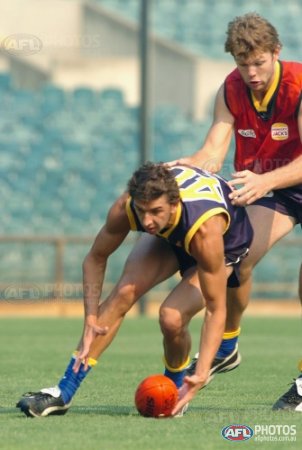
(171, 321)
(245, 273)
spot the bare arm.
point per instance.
(207, 247)
(107, 241)
(214, 149)
(256, 186)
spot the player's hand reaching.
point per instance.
(254, 186)
(211, 164)
(188, 390)
(189, 161)
(91, 331)
(195, 161)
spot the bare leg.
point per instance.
(183, 303)
(269, 226)
(150, 262)
(175, 314)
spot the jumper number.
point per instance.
(195, 186)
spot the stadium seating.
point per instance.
(65, 155)
(200, 25)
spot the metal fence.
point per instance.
(37, 268)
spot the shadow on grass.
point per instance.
(106, 410)
(103, 410)
(8, 410)
(117, 410)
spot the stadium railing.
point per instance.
(27, 286)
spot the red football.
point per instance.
(156, 396)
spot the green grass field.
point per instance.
(35, 353)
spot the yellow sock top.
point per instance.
(177, 369)
(91, 361)
(231, 334)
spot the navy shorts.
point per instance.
(285, 201)
(187, 261)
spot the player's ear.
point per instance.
(276, 53)
(174, 207)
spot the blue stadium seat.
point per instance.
(53, 99)
(5, 81)
(61, 167)
(83, 97)
(110, 98)
(200, 25)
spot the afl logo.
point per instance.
(22, 44)
(279, 131)
(237, 433)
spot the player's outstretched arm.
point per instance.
(214, 149)
(109, 238)
(207, 247)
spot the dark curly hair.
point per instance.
(152, 180)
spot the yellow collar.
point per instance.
(168, 231)
(261, 106)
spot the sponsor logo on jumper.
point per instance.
(247, 133)
(279, 131)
